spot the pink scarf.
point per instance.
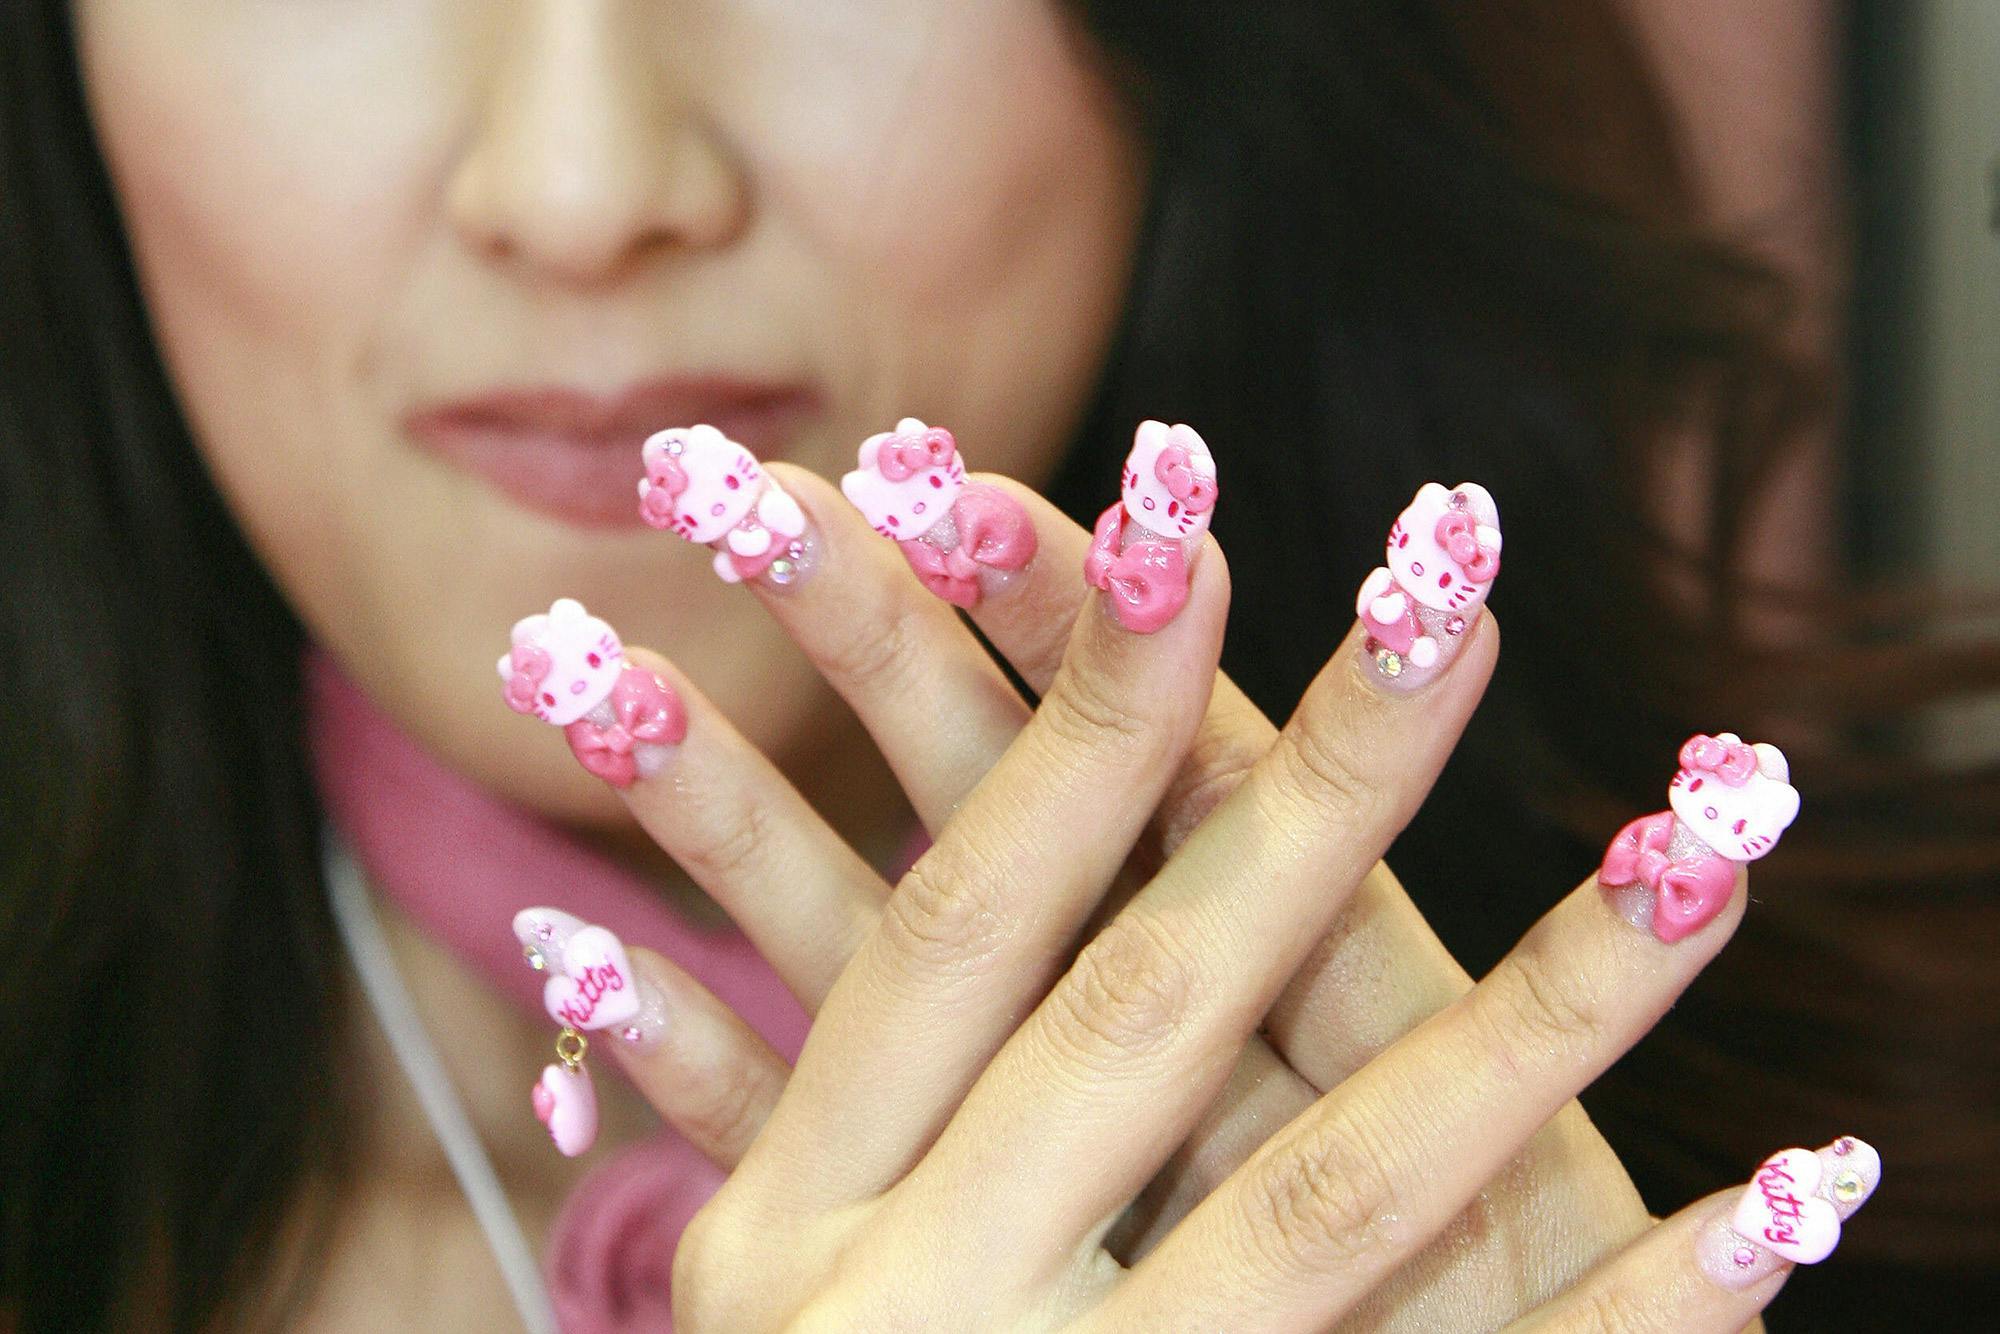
(460, 862)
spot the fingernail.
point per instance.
(1418, 610)
(703, 486)
(591, 985)
(567, 668)
(1790, 1213)
(1141, 553)
(1728, 804)
(965, 540)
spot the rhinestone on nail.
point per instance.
(797, 550)
(1455, 626)
(1744, 1257)
(783, 571)
(630, 1033)
(1847, 1186)
(1389, 662)
(534, 958)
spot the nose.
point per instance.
(584, 159)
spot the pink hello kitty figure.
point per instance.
(1729, 803)
(567, 668)
(1443, 553)
(711, 490)
(964, 540)
(1139, 553)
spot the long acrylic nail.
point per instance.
(1728, 804)
(591, 985)
(1141, 552)
(1418, 610)
(965, 540)
(705, 487)
(567, 668)
(1790, 1213)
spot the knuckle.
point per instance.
(1127, 995)
(877, 650)
(946, 918)
(721, 841)
(1542, 1013)
(727, 1105)
(1612, 1309)
(1325, 1201)
(1330, 772)
(1085, 708)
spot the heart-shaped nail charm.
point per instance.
(749, 541)
(566, 1102)
(1781, 1211)
(595, 988)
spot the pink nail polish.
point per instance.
(567, 668)
(964, 540)
(1728, 804)
(710, 490)
(1790, 1213)
(591, 984)
(1141, 550)
(1443, 555)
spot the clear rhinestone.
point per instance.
(783, 571)
(1847, 1186)
(534, 958)
(1389, 661)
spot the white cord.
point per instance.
(369, 950)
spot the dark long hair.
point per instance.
(1381, 248)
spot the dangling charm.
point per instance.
(565, 1101)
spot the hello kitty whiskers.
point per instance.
(1418, 611)
(705, 487)
(568, 668)
(965, 540)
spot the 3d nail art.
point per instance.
(1791, 1212)
(708, 489)
(1443, 554)
(1729, 803)
(1139, 554)
(567, 668)
(965, 540)
(591, 988)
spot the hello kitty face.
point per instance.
(906, 479)
(1169, 482)
(698, 482)
(1737, 799)
(562, 665)
(1445, 548)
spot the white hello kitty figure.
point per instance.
(962, 539)
(710, 490)
(1139, 551)
(1728, 804)
(567, 668)
(1443, 554)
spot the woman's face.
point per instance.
(425, 272)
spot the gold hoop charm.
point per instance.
(571, 1047)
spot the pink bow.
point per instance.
(902, 457)
(993, 532)
(1731, 762)
(667, 481)
(1175, 469)
(530, 667)
(1458, 534)
(1690, 890)
(646, 711)
(1147, 581)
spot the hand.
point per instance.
(970, 1122)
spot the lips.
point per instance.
(574, 455)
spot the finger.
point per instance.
(972, 935)
(1711, 1268)
(1330, 1207)
(939, 709)
(1137, 1037)
(705, 794)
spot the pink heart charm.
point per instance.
(566, 1102)
(595, 988)
(1781, 1211)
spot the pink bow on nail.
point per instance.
(902, 457)
(1731, 762)
(1458, 534)
(993, 532)
(1175, 470)
(530, 668)
(645, 711)
(666, 480)
(1692, 889)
